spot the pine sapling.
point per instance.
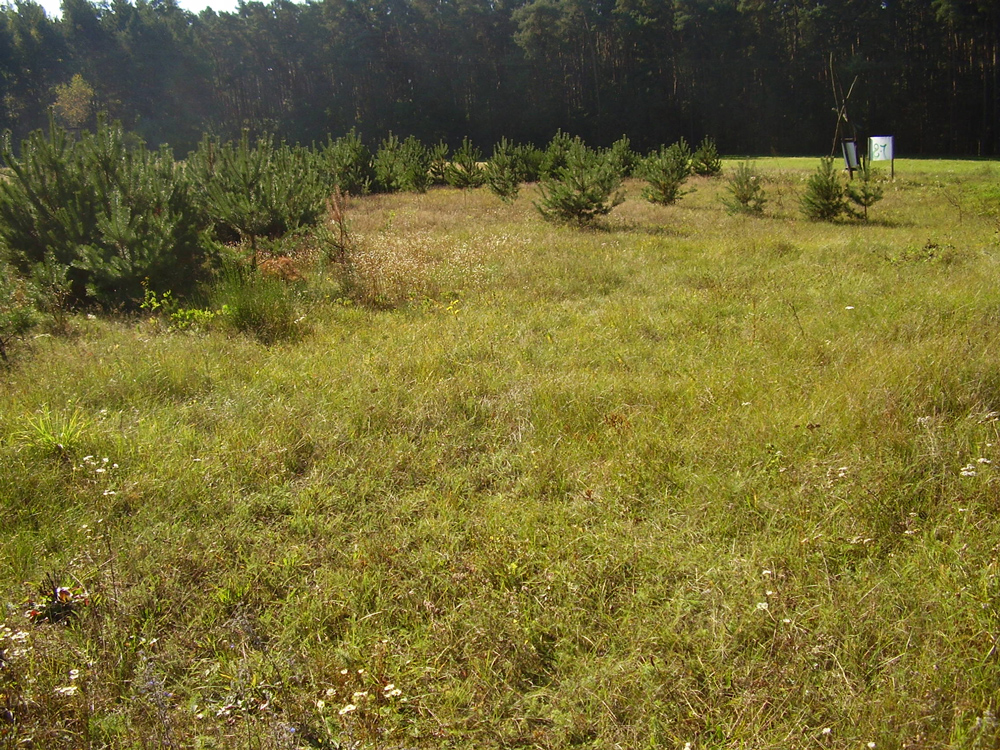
(665, 171)
(622, 157)
(746, 191)
(865, 191)
(464, 169)
(403, 165)
(348, 164)
(588, 186)
(504, 171)
(706, 161)
(438, 163)
(825, 198)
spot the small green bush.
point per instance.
(248, 192)
(587, 186)
(622, 157)
(665, 171)
(180, 318)
(825, 198)
(464, 170)
(102, 214)
(348, 165)
(706, 161)
(865, 191)
(403, 165)
(531, 159)
(746, 191)
(504, 171)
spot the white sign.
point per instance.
(880, 148)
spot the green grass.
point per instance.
(685, 478)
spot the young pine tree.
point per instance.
(622, 157)
(258, 191)
(706, 161)
(437, 158)
(825, 198)
(587, 186)
(99, 216)
(403, 165)
(464, 169)
(348, 164)
(665, 171)
(865, 191)
(556, 154)
(504, 171)
(746, 191)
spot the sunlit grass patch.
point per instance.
(685, 477)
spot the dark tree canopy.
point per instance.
(755, 74)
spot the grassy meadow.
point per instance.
(684, 480)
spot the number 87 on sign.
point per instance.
(880, 148)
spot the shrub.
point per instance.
(530, 158)
(504, 171)
(437, 160)
(587, 186)
(402, 165)
(556, 154)
(706, 161)
(100, 214)
(260, 191)
(665, 171)
(261, 306)
(865, 191)
(464, 169)
(746, 191)
(348, 165)
(622, 157)
(825, 198)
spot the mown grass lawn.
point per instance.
(684, 478)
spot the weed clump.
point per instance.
(17, 313)
(260, 305)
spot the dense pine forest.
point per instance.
(759, 75)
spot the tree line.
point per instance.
(758, 75)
